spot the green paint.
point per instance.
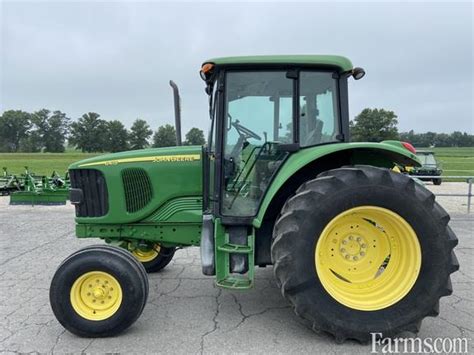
(166, 234)
(342, 63)
(178, 210)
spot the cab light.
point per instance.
(205, 69)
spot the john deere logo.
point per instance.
(152, 159)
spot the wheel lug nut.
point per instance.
(88, 293)
(344, 242)
(362, 253)
(355, 258)
(347, 257)
(351, 237)
(363, 245)
(358, 239)
(343, 250)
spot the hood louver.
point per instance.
(137, 188)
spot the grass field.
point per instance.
(40, 163)
(454, 161)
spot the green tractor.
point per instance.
(356, 247)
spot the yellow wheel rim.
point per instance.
(368, 258)
(96, 295)
(146, 255)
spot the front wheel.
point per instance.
(153, 257)
(363, 250)
(437, 181)
(98, 291)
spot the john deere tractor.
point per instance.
(355, 246)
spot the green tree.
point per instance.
(56, 132)
(14, 126)
(32, 143)
(428, 139)
(117, 137)
(89, 133)
(195, 136)
(140, 132)
(374, 125)
(48, 131)
(165, 136)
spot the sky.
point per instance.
(116, 58)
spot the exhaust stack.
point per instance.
(177, 111)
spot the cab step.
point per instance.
(224, 249)
(235, 283)
(235, 248)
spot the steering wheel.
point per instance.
(244, 131)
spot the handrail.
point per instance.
(469, 180)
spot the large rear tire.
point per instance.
(360, 250)
(98, 291)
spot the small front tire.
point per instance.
(98, 292)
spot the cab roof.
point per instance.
(324, 60)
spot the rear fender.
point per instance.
(312, 161)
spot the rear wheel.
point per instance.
(437, 181)
(362, 250)
(98, 292)
(154, 257)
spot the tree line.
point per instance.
(48, 131)
(375, 125)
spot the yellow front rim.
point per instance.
(368, 258)
(96, 295)
(147, 255)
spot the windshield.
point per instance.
(427, 158)
(258, 111)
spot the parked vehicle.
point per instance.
(429, 167)
(356, 248)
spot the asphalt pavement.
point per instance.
(185, 312)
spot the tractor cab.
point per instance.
(262, 109)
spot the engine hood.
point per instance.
(148, 185)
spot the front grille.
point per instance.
(137, 188)
(95, 202)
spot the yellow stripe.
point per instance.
(152, 159)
